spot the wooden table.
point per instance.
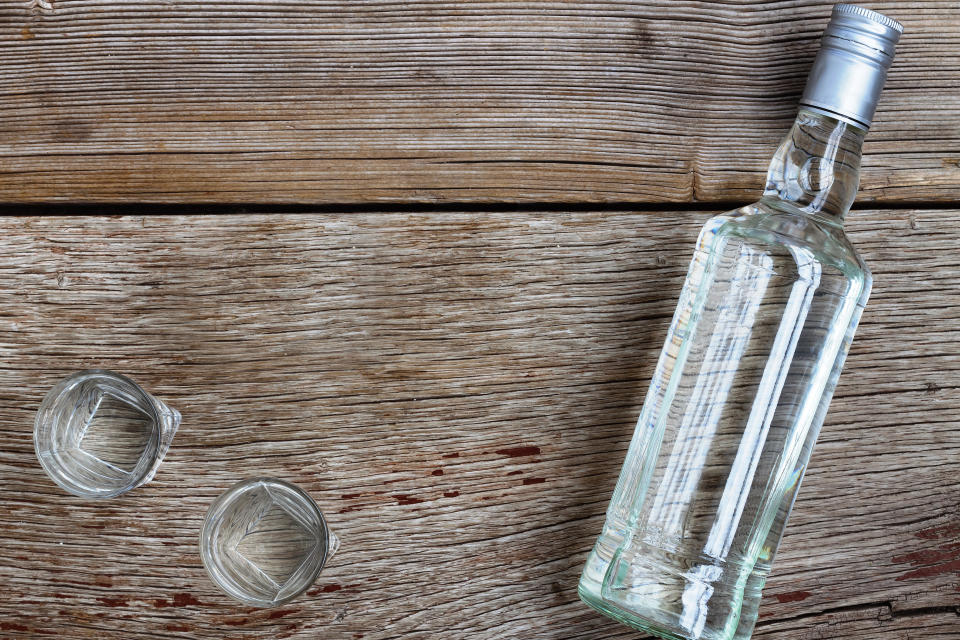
(485, 214)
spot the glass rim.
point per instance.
(209, 532)
(45, 421)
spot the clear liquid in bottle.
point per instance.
(739, 394)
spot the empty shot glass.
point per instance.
(99, 434)
(264, 541)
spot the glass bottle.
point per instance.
(771, 301)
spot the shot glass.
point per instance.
(264, 542)
(98, 434)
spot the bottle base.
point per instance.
(628, 619)
(672, 596)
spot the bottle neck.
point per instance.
(816, 169)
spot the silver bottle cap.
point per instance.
(848, 74)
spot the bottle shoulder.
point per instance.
(791, 245)
(809, 238)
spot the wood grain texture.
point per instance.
(457, 392)
(425, 101)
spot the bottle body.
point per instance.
(752, 356)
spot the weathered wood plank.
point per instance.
(457, 392)
(426, 101)
(868, 623)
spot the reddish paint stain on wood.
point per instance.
(942, 560)
(437, 472)
(403, 498)
(176, 627)
(179, 600)
(451, 494)
(279, 614)
(330, 588)
(351, 496)
(951, 530)
(519, 452)
(11, 626)
(451, 455)
(515, 473)
(185, 600)
(327, 588)
(793, 596)
(926, 556)
(527, 481)
(934, 570)
(112, 602)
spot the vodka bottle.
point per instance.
(770, 304)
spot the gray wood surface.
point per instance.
(426, 101)
(457, 391)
